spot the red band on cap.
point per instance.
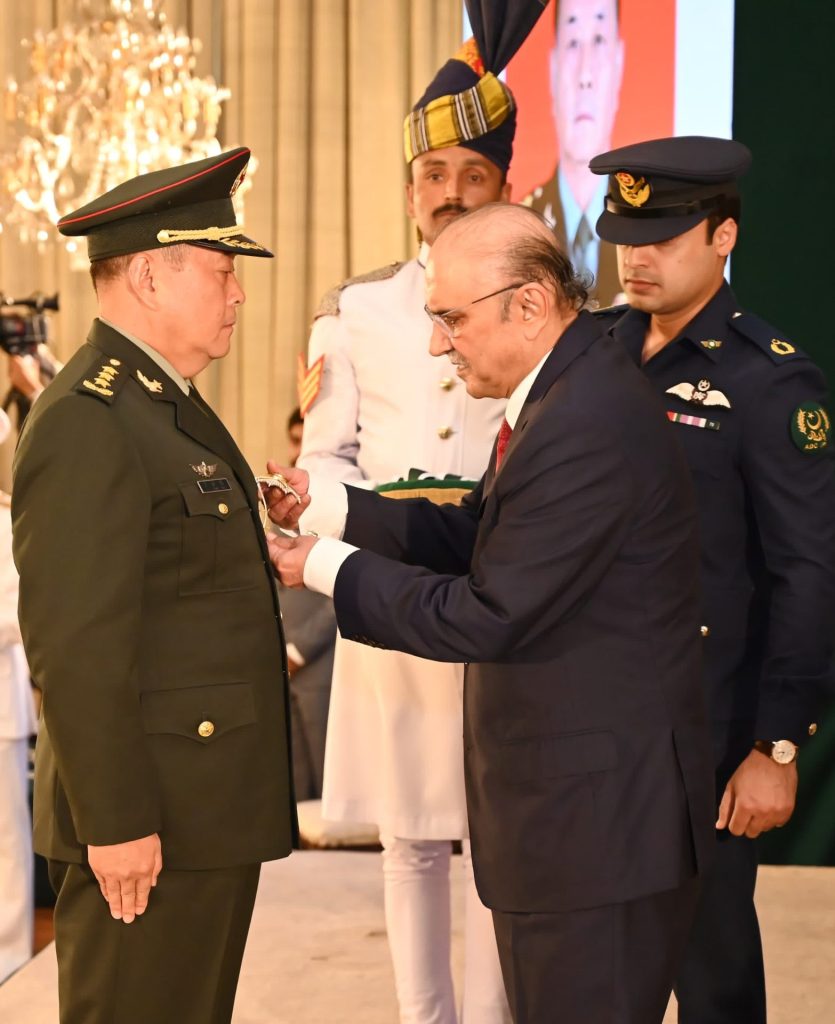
(153, 192)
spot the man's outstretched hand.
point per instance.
(284, 509)
(288, 555)
(126, 873)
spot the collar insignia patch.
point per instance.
(154, 386)
(699, 394)
(711, 343)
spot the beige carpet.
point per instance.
(317, 950)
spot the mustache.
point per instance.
(456, 208)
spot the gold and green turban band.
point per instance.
(463, 106)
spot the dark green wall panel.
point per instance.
(784, 103)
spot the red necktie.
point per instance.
(505, 430)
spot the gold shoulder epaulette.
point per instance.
(103, 378)
(329, 304)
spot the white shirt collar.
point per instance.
(520, 393)
(423, 254)
(571, 208)
(152, 353)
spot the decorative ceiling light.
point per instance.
(110, 98)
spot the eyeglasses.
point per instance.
(446, 320)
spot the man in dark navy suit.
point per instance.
(568, 581)
(748, 407)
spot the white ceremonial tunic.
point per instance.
(394, 753)
(17, 723)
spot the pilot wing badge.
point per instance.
(699, 394)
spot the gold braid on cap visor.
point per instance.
(169, 235)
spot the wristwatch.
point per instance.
(781, 751)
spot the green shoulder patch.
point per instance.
(810, 427)
(766, 337)
(329, 304)
(104, 379)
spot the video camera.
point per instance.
(23, 322)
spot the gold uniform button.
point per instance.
(205, 729)
(813, 728)
(705, 630)
(223, 508)
(444, 433)
(446, 383)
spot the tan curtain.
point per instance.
(319, 92)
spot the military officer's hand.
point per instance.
(126, 873)
(759, 796)
(283, 508)
(288, 555)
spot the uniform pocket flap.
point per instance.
(220, 503)
(573, 753)
(200, 713)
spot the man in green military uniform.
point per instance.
(150, 620)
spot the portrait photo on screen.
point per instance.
(598, 74)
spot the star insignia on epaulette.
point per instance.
(102, 383)
(699, 394)
(154, 386)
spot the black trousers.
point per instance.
(722, 980)
(608, 965)
(176, 964)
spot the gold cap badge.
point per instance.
(636, 193)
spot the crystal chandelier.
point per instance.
(110, 98)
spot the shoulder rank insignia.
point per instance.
(605, 312)
(766, 338)
(204, 470)
(309, 382)
(329, 305)
(711, 343)
(700, 394)
(104, 381)
(153, 386)
(810, 427)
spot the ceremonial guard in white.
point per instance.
(386, 407)
(17, 724)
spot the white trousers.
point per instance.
(16, 869)
(418, 921)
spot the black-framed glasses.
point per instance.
(446, 319)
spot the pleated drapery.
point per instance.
(319, 92)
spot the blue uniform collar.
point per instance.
(709, 324)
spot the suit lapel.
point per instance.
(573, 342)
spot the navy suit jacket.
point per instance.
(569, 583)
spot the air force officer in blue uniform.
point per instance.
(748, 407)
